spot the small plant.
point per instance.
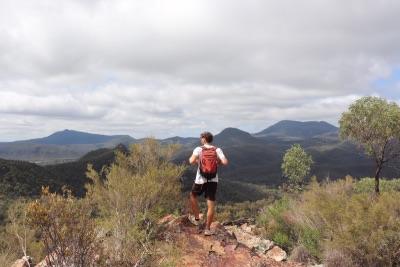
(310, 239)
(277, 221)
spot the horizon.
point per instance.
(138, 138)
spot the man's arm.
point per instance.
(223, 161)
(193, 159)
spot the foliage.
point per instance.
(138, 188)
(167, 253)
(73, 174)
(364, 228)
(278, 223)
(366, 185)
(21, 232)
(8, 252)
(16, 238)
(375, 124)
(4, 204)
(67, 229)
(246, 209)
(296, 164)
(18, 178)
(339, 222)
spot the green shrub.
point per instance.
(363, 228)
(366, 185)
(282, 239)
(277, 221)
(139, 187)
(310, 239)
(339, 222)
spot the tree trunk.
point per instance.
(377, 172)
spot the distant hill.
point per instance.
(64, 146)
(70, 137)
(234, 137)
(288, 129)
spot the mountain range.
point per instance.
(255, 156)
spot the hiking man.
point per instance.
(203, 184)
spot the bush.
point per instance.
(334, 258)
(140, 187)
(363, 228)
(310, 239)
(301, 254)
(9, 253)
(339, 222)
(67, 230)
(366, 185)
(278, 223)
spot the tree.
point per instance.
(140, 187)
(375, 124)
(296, 164)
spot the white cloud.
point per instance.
(178, 67)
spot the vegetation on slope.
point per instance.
(339, 223)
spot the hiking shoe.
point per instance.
(193, 220)
(209, 231)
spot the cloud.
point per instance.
(178, 67)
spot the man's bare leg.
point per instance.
(195, 205)
(210, 213)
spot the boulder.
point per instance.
(277, 254)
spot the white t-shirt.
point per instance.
(197, 151)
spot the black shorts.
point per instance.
(209, 188)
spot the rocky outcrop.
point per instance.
(233, 245)
(230, 246)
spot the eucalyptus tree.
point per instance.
(296, 164)
(374, 123)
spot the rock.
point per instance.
(250, 240)
(26, 261)
(20, 263)
(277, 254)
(263, 245)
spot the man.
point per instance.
(202, 185)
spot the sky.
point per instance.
(164, 68)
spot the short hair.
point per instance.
(208, 136)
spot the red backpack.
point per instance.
(208, 162)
